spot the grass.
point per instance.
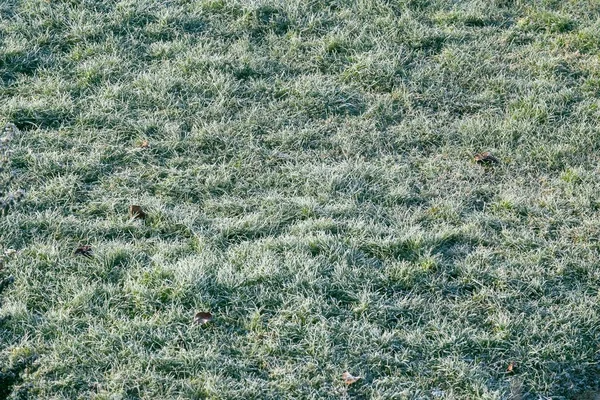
(310, 182)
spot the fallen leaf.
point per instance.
(511, 367)
(485, 158)
(136, 212)
(202, 318)
(349, 379)
(145, 144)
(85, 251)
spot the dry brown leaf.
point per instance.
(145, 144)
(85, 251)
(202, 318)
(485, 158)
(136, 212)
(511, 367)
(349, 379)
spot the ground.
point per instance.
(306, 169)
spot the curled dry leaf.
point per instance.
(85, 251)
(202, 318)
(511, 367)
(136, 212)
(349, 379)
(145, 144)
(485, 158)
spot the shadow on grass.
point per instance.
(445, 245)
(19, 63)
(12, 376)
(31, 118)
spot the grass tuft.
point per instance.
(307, 176)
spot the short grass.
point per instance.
(310, 182)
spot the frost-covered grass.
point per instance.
(310, 182)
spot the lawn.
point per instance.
(306, 170)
